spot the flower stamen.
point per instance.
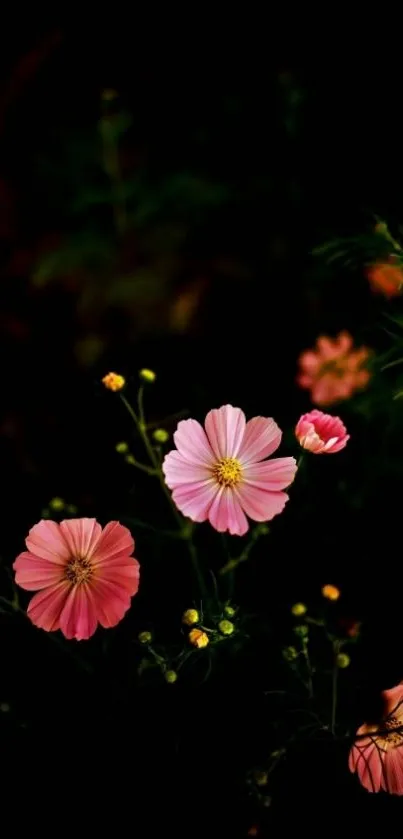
(227, 471)
(78, 570)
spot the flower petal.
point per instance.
(81, 535)
(393, 701)
(226, 513)
(45, 607)
(392, 780)
(192, 443)
(126, 573)
(194, 500)
(259, 504)
(271, 475)
(78, 619)
(225, 429)
(46, 540)
(109, 600)
(33, 573)
(367, 760)
(262, 437)
(178, 470)
(115, 540)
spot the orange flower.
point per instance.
(114, 382)
(198, 638)
(386, 277)
(331, 592)
(333, 370)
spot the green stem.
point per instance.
(309, 669)
(184, 527)
(233, 563)
(334, 687)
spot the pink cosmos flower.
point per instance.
(321, 433)
(84, 575)
(377, 754)
(334, 371)
(217, 472)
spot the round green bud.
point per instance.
(160, 435)
(298, 609)
(226, 627)
(290, 653)
(230, 611)
(57, 504)
(147, 375)
(122, 448)
(343, 660)
(145, 637)
(171, 677)
(301, 630)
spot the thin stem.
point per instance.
(184, 527)
(233, 563)
(309, 668)
(334, 686)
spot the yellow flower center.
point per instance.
(394, 736)
(227, 471)
(78, 571)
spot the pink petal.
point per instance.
(271, 475)
(393, 700)
(194, 500)
(259, 504)
(33, 573)
(192, 443)
(46, 540)
(226, 513)
(367, 761)
(309, 362)
(125, 573)
(79, 618)
(110, 601)
(262, 437)
(225, 428)
(178, 470)
(81, 535)
(45, 607)
(392, 780)
(115, 540)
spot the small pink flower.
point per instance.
(321, 433)
(84, 575)
(217, 472)
(334, 370)
(377, 754)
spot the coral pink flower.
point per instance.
(377, 754)
(84, 575)
(333, 371)
(321, 433)
(386, 277)
(217, 472)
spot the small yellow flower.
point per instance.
(290, 653)
(171, 677)
(260, 777)
(160, 435)
(230, 611)
(114, 382)
(190, 617)
(147, 375)
(145, 637)
(57, 504)
(226, 627)
(343, 660)
(331, 592)
(298, 609)
(122, 448)
(198, 638)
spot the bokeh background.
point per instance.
(232, 167)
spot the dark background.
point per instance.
(297, 154)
